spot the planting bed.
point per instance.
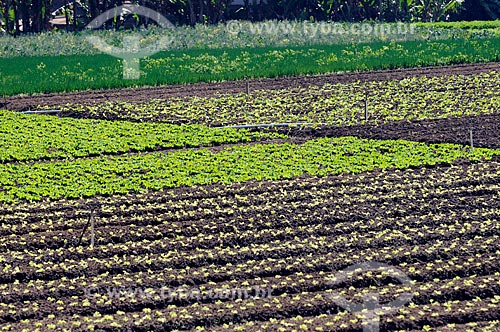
(438, 225)
(174, 225)
(485, 130)
(421, 97)
(25, 103)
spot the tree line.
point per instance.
(31, 16)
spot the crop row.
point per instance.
(222, 209)
(244, 217)
(339, 217)
(201, 212)
(216, 36)
(324, 258)
(179, 201)
(320, 157)
(466, 300)
(477, 262)
(439, 225)
(54, 247)
(165, 255)
(465, 208)
(149, 253)
(421, 272)
(485, 130)
(425, 317)
(476, 326)
(28, 137)
(421, 268)
(334, 104)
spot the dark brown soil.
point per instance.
(298, 231)
(485, 131)
(433, 223)
(23, 103)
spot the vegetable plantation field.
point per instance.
(151, 210)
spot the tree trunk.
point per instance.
(25, 16)
(218, 11)
(246, 3)
(66, 15)
(192, 15)
(6, 10)
(200, 17)
(47, 5)
(16, 20)
(74, 16)
(36, 16)
(93, 9)
(380, 10)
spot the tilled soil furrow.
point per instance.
(277, 286)
(290, 305)
(221, 256)
(387, 178)
(310, 263)
(327, 218)
(223, 201)
(485, 131)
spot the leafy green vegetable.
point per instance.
(338, 104)
(33, 137)
(320, 157)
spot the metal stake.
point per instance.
(92, 233)
(471, 139)
(92, 207)
(366, 105)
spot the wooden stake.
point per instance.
(248, 88)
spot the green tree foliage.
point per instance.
(26, 16)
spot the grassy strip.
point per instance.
(468, 25)
(233, 34)
(319, 157)
(33, 137)
(60, 73)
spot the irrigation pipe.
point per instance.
(267, 125)
(262, 125)
(41, 112)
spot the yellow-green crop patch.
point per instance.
(111, 175)
(33, 137)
